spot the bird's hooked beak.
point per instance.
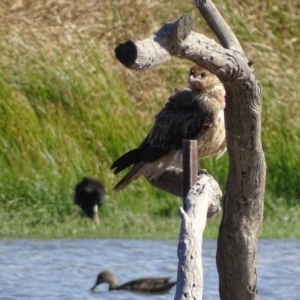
(192, 79)
(96, 218)
(194, 83)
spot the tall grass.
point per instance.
(69, 109)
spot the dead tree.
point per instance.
(201, 199)
(243, 201)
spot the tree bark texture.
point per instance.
(204, 194)
(243, 203)
(201, 202)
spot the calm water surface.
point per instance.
(67, 269)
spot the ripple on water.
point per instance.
(66, 269)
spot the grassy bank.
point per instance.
(69, 109)
(129, 225)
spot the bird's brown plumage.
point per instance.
(196, 112)
(151, 285)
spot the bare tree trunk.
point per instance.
(243, 204)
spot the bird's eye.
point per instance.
(203, 74)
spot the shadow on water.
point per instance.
(67, 269)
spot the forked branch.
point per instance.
(177, 39)
(218, 25)
(243, 203)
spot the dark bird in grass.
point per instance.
(144, 285)
(90, 195)
(196, 112)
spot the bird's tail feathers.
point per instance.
(133, 174)
(126, 160)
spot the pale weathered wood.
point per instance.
(190, 166)
(218, 25)
(169, 41)
(157, 48)
(204, 193)
(200, 199)
(243, 203)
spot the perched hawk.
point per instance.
(196, 112)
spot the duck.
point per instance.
(151, 285)
(89, 196)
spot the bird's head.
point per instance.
(201, 80)
(106, 277)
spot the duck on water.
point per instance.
(150, 285)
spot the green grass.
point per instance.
(125, 224)
(69, 109)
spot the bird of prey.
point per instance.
(151, 285)
(196, 112)
(90, 195)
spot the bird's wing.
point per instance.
(146, 284)
(181, 118)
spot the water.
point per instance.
(67, 269)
